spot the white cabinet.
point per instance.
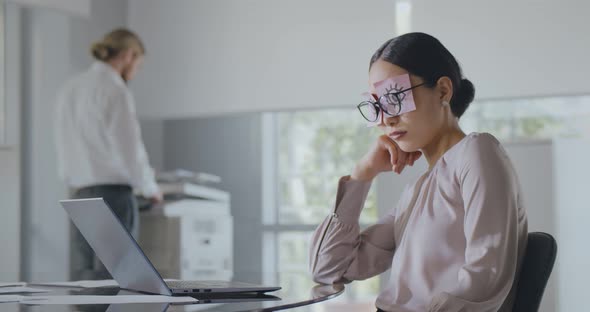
(191, 236)
(206, 247)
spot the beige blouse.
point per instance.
(454, 242)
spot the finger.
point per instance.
(393, 157)
(391, 149)
(398, 165)
(401, 161)
(394, 152)
(406, 158)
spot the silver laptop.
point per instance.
(127, 263)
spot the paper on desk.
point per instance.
(42, 300)
(21, 290)
(83, 284)
(138, 307)
(17, 284)
(87, 283)
(10, 298)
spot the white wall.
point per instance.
(57, 47)
(9, 204)
(210, 145)
(45, 223)
(10, 154)
(533, 162)
(513, 48)
(211, 57)
(105, 15)
(152, 133)
(571, 179)
(78, 7)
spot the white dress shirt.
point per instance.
(454, 243)
(97, 133)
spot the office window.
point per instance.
(316, 148)
(530, 118)
(309, 151)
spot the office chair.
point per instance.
(536, 268)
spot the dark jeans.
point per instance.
(84, 265)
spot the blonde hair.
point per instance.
(115, 42)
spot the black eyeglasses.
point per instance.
(389, 103)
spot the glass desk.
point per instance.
(273, 301)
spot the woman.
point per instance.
(457, 236)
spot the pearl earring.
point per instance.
(445, 103)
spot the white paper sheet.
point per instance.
(10, 298)
(16, 284)
(43, 300)
(21, 290)
(83, 284)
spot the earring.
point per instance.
(445, 103)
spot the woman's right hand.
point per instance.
(383, 156)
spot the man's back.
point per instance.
(100, 150)
(83, 127)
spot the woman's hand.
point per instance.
(385, 155)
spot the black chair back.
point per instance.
(536, 268)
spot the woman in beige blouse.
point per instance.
(456, 238)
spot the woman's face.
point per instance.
(413, 130)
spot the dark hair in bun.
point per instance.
(424, 56)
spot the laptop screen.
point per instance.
(114, 245)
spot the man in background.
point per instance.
(100, 149)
